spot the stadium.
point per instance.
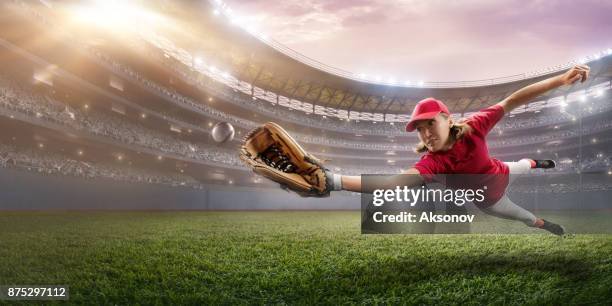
(113, 183)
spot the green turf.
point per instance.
(291, 258)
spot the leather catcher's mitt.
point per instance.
(271, 152)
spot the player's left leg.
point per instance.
(506, 209)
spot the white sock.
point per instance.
(505, 208)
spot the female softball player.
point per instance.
(451, 147)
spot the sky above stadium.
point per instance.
(435, 40)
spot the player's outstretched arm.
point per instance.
(271, 152)
(410, 178)
(526, 94)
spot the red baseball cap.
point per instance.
(426, 109)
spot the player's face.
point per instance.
(434, 133)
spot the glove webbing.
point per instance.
(275, 158)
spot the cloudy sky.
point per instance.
(435, 40)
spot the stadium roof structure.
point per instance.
(272, 67)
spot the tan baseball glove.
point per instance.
(271, 152)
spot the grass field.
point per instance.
(291, 258)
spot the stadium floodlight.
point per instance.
(115, 14)
(599, 92)
(216, 12)
(421, 83)
(198, 61)
(378, 78)
(408, 83)
(391, 80)
(583, 98)
(608, 51)
(582, 60)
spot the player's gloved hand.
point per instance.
(272, 153)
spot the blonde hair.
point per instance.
(457, 131)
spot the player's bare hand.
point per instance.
(578, 72)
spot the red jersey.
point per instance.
(470, 155)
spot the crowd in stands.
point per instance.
(41, 107)
(589, 128)
(597, 163)
(171, 93)
(574, 186)
(48, 163)
(237, 95)
(351, 126)
(334, 142)
(46, 109)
